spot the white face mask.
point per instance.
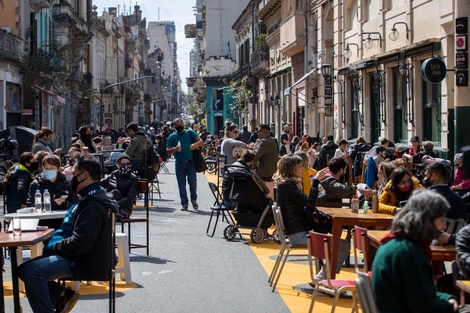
(50, 174)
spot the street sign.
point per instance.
(462, 78)
(433, 70)
(461, 42)
(461, 25)
(461, 60)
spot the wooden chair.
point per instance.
(143, 187)
(365, 293)
(285, 250)
(320, 248)
(154, 184)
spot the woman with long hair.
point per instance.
(399, 188)
(402, 275)
(17, 181)
(42, 141)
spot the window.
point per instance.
(375, 91)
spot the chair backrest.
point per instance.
(221, 160)
(215, 192)
(143, 187)
(365, 293)
(361, 243)
(279, 222)
(320, 247)
(453, 226)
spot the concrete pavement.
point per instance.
(187, 271)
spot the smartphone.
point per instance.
(64, 197)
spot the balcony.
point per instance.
(241, 72)
(293, 35)
(10, 47)
(190, 30)
(260, 61)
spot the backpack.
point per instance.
(151, 162)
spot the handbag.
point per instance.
(317, 220)
(198, 160)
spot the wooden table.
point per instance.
(8, 240)
(438, 252)
(464, 286)
(343, 217)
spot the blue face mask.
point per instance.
(50, 174)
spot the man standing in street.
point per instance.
(80, 249)
(266, 157)
(182, 143)
(245, 134)
(138, 147)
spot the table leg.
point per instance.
(14, 280)
(2, 295)
(336, 232)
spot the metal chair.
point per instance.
(285, 250)
(320, 248)
(453, 226)
(361, 243)
(143, 187)
(365, 293)
(219, 208)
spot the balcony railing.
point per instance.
(260, 61)
(10, 46)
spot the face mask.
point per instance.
(427, 183)
(74, 183)
(33, 167)
(124, 170)
(50, 174)
(179, 129)
(405, 189)
(47, 141)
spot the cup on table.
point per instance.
(85, 150)
(16, 226)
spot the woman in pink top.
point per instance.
(461, 183)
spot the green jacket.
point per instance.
(402, 279)
(266, 158)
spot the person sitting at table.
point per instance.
(78, 249)
(308, 171)
(435, 179)
(39, 156)
(57, 184)
(402, 278)
(399, 188)
(370, 174)
(407, 153)
(461, 183)
(17, 180)
(122, 186)
(428, 147)
(290, 198)
(86, 135)
(335, 191)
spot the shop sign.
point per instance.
(433, 70)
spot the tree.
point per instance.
(240, 93)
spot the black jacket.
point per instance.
(123, 189)
(335, 191)
(291, 200)
(457, 205)
(60, 187)
(17, 189)
(328, 150)
(462, 246)
(89, 248)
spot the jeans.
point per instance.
(300, 239)
(37, 273)
(183, 170)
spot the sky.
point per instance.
(179, 11)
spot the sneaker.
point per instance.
(184, 208)
(68, 299)
(195, 206)
(317, 279)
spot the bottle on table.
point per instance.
(38, 201)
(375, 202)
(355, 205)
(365, 207)
(47, 201)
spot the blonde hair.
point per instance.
(303, 156)
(286, 169)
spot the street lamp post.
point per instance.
(100, 118)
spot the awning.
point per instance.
(50, 93)
(288, 90)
